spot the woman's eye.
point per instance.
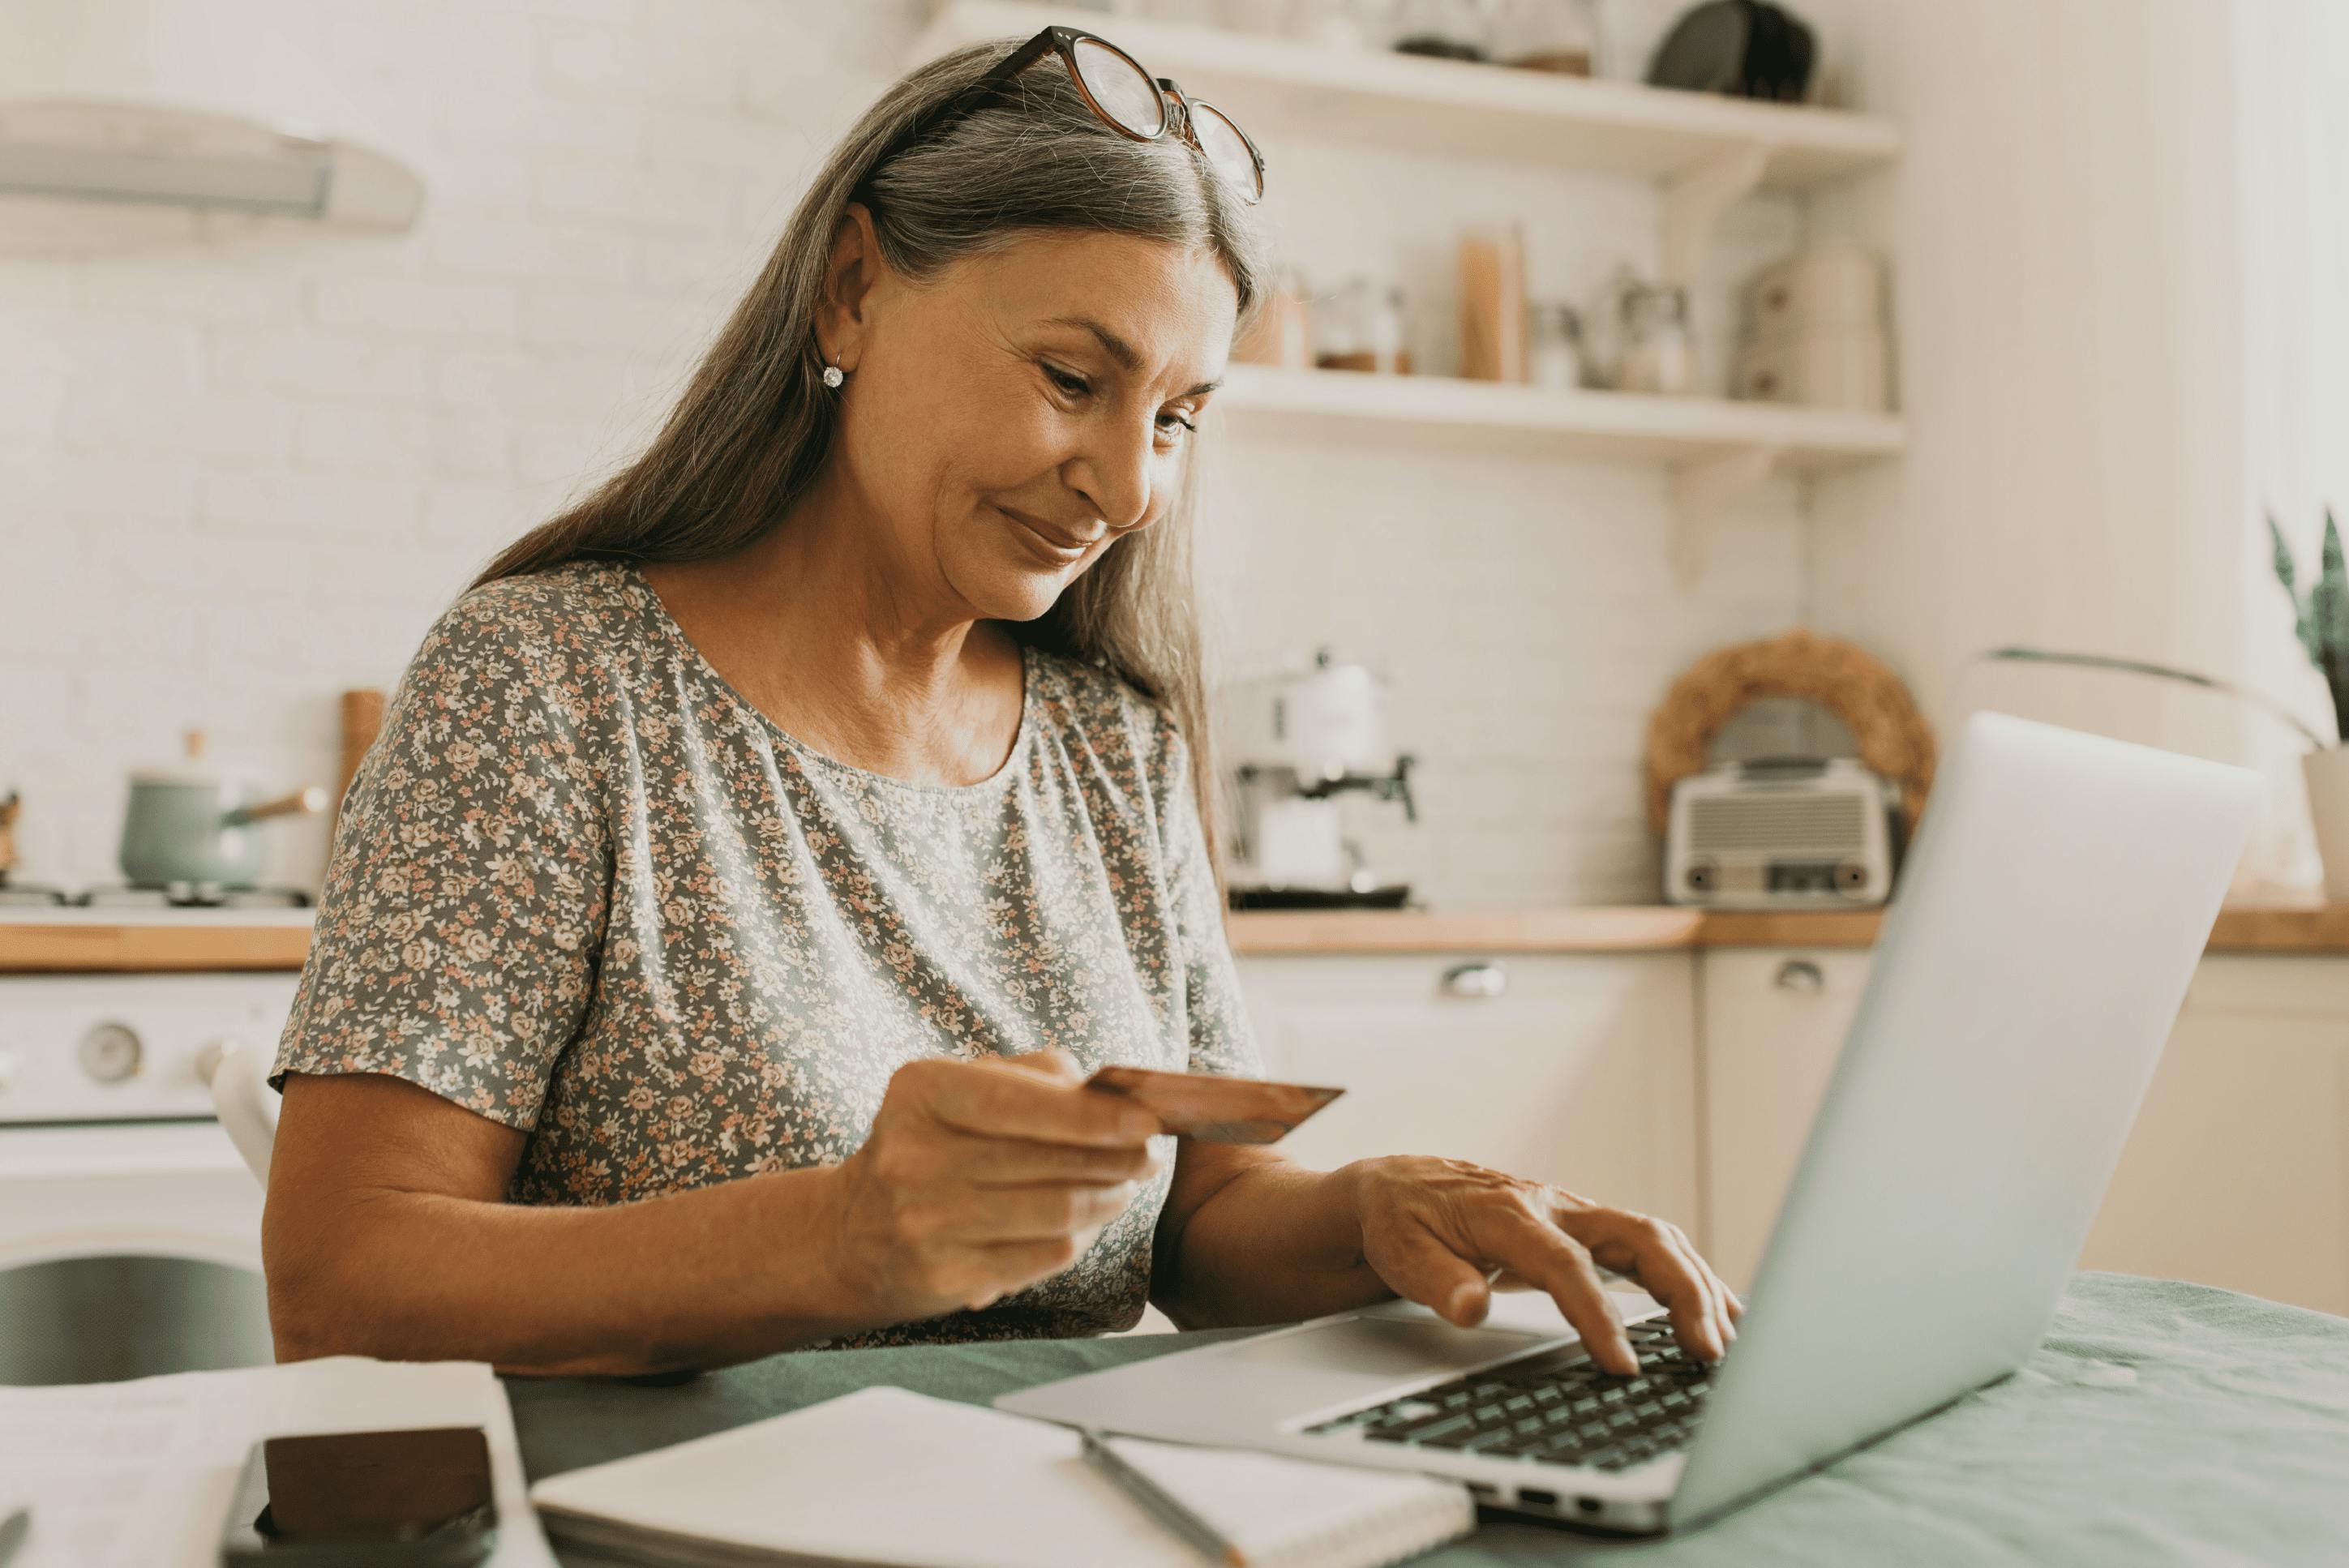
(1170, 422)
(1075, 386)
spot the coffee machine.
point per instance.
(1300, 741)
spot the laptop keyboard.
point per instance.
(1552, 1407)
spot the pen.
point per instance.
(1166, 1509)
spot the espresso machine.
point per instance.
(1300, 741)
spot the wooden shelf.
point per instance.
(1280, 89)
(1607, 427)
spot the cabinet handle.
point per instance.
(1801, 974)
(1486, 979)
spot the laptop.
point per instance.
(2057, 898)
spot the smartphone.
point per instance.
(413, 1499)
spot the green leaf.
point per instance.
(2303, 621)
(2328, 606)
(2283, 567)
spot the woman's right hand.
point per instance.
(980, 1178)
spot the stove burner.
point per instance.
(189, 895)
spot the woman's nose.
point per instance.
(1114, 471)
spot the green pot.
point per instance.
(195, 829)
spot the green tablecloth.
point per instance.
(2161, 1423)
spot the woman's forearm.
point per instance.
(699, 1278)
(1273, 1242)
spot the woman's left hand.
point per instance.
(1443, 1233)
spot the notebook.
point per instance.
(887, 1477)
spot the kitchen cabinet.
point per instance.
(2236, 1173)
(1574, 1068)
(1772, 1022)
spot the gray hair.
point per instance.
(755, 423)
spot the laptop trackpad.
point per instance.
(1381, 1349)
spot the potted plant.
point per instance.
(2321, 619)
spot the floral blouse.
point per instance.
(581, 887)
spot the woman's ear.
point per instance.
(855, 265)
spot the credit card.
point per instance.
(1216, 1110)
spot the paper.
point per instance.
(881, 1475)
(140, 1474)
(1271, 1507)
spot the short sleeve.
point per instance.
(1221, 1039)
(465, 897)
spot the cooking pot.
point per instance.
(186, 826)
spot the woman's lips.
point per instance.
(1046, 543)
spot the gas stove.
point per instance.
(14, 895)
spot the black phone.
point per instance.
(414, 1499)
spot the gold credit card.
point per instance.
(1216, 1109)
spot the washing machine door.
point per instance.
(126, 1251)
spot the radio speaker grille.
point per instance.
(1781, 823)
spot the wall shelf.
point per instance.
(1717, 450)
(1601, 426)
(1281, 87)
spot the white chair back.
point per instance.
(238, 1078)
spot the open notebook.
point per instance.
(887, 1477)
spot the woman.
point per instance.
(756, 859)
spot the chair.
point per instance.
(238, 1078)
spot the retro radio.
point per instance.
(1781, 833)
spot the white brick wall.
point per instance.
(243, 465)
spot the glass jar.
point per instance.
(1554, 347)
(1559, 35)
(1657, 357)
(1282, 333)
(1447, 29)
(1363, 329)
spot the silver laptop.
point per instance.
(2057, 898)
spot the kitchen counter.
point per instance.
(1636, 928)
(81, 939)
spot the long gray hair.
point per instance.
(755, 424)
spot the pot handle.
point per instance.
(302, 802)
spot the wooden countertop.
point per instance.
(77, 941)
(2317, 929)
(85, 941)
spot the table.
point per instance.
(2160, 1423)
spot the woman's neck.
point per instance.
(849, 651)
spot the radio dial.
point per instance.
(110, 1052)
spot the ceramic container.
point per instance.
(2326, 773)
